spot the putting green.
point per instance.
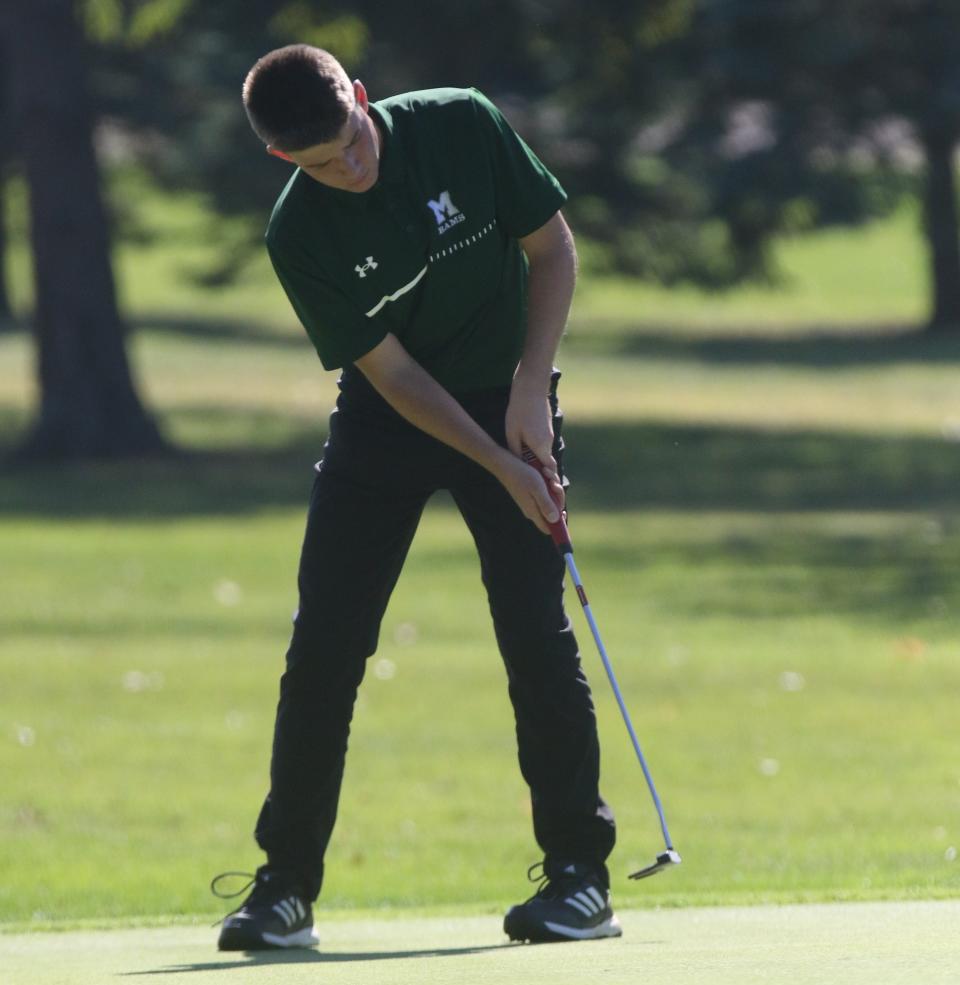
(827, 944)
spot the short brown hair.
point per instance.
(297, 96)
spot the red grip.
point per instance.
(558, 530)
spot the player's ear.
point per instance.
(280, 154)
(360, 93)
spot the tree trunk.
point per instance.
(5, 312)
(943, 234)
(89, 407)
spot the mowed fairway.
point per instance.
(817, 944)
(767, 524)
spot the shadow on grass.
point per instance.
(612, 466)
(825, 348)
(303, 956)
(887, 571)
(822, 347)
(195, 327)
(221, 330)
(629, 466)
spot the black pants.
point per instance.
(371, 487)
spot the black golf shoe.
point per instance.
(572, 904)
(274, 915)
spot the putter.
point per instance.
(561, 537)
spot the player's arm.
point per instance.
(417, 396)
(552, 275)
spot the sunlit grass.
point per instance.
(796, 714)
(870, 276)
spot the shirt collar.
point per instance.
(391, 157)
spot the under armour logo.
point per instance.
(371, 264)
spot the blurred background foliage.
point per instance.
(688, 133)
(691, 134)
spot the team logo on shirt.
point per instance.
(445, 212)
(371, 264)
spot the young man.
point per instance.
(421, 244)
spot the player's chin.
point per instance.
(365, 182)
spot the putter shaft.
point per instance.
(561, 537)
(608, 667)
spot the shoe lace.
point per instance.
(548, 888)
(214, 882)
(537, 873)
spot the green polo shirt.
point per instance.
(430, 253)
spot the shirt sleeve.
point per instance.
(339, 331)
(528, 195)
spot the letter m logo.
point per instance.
(443, 208)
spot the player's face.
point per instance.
(351, 161)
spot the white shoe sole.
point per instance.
(609, 928)
(302, 938)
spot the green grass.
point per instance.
(872, 276)
(766, 519)
(851, 944)
(781, 608)
(793, 677)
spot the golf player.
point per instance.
(421, 244)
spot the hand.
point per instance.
(529, 424)
(540, 497)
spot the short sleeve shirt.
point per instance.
(431, 252)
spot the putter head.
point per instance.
(669, 857)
